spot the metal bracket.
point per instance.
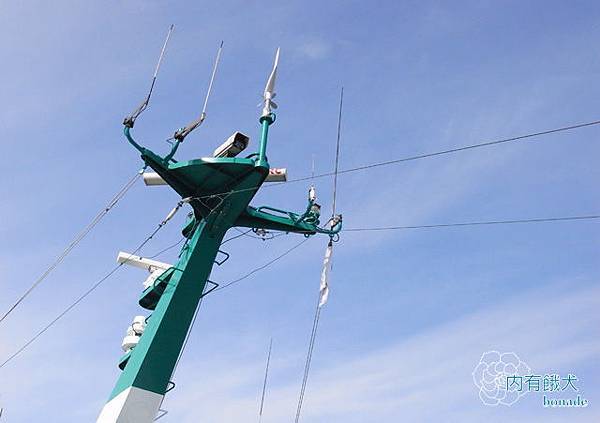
(215, 286)
(171, 387)
(226, 254)
(164, 413)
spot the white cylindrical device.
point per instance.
(152, 178)
(138, 325)
(141, 262)
(129, 342)
(134, 332)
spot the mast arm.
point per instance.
(146, 153)
(258, 218)
(127, 132)
(282, 221)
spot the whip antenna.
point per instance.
(130, 120)
(180, 134)
(324, 283)
(262, 399)
(337, 153)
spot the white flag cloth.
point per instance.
(324, 287)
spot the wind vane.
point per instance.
(269, 93)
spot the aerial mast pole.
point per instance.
(219, 190)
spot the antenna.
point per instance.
(262, 399)
(180, 134)
(337, 153)
(149, 365)
(324, 283)
(269, 93)
(130, 120)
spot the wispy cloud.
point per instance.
(314, 49)
(422, 377)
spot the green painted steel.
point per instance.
(219, 190)
(265, 121)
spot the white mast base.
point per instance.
(133, 405)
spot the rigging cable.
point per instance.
(264, 266)
(551, 219)
(337, 154)
(237, 236)
(247, 275)
(311, 345)
(92, 288)
(344, 171)
(170, 247)
(457, 149)
(264, 388)
(326, 263)
(427, 155)
(78, 238)
(481, 223)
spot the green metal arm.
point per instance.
(145, 152)
(169, 156)
(288, 222)
(127, 132)
(309, 214)
(333, 231)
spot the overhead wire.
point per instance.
(241, 234)
(130, 183)
(285, 253)
(424, 155)
(170, 247)
(307, 363)
(479, 223)
(221, 287)
(266, 237)
(88, 291)
(78, 238)
(313, 335)
(465, 148)
(337, 154)
(264, 266)
(264, 388)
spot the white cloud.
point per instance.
(314, 49)
(421, 379)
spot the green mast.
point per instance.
(219, 190)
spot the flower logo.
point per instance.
(493, 377)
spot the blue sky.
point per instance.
(410, 312)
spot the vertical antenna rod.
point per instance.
(262, 400)
(212, 79)
(180, 134)
(324, 285)
(130, 120)
(337, 152)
